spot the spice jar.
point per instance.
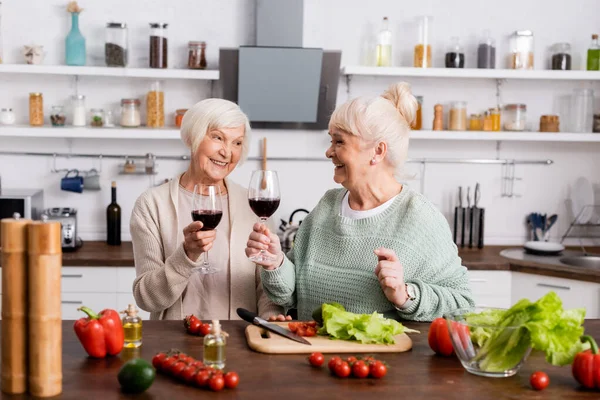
(475, 122)
(130, 113)
(197, 55)
(129, 166)
(78, 110)
(418, 122)
(487, 121)
(158, 45)
(57, 116)
(97, 117)
(422, 56)
(7, 116)
(549, 123)
(458, 116)
(109, 119)
(455, 56)
(438, 117)
(155, 106)
(115, 48)
(486, 52)
(36, 109)
(495, 117)
(596, 124)
(561, 57)
(149, 164)
(179, 116)
(515, 117)
(521, 50)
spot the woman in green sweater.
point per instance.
(375, 244)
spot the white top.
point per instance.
(347, 212)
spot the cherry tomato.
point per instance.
(168, 363)
(177, 368)
(342, 369)
(293, 326)
(157, 360)
(351, 360)
(216, 383)
(333, 361)
(204, 329)
(194, 327)
(539, 380)
(316, 359)
(190, 318)
(197, 363)
(188, 373)
(310, 331)
(360, 369)
(312, 323)
(201, 378)
(377, 370)
(185, 358)
(232, 379)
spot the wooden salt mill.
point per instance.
(13, 232)
(45, 325)
(263, 183)
(438, 117)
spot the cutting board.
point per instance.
(264, 341)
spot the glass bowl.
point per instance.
(487, 350)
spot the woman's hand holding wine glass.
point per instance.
(207, 212)
(263, 241)
(264, 198)
(197, 241)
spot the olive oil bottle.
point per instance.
(214, 346)
(132, 327)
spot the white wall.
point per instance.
(345, 25)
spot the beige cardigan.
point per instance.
(162, 267)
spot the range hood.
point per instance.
(278, 83)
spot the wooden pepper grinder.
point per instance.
(263, 183)
(438, 117)
(13, 232)
(45, 325)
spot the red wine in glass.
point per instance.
(209, 218)
(264, 198)
(264, 208)
(207, 208)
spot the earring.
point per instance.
(373, 161)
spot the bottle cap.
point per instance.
(216, 327)
(131, 310)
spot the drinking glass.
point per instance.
(264, 198)
(207, 208)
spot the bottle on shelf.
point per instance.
(132, 327)
(384, 45)
(593, 54)
(113, 219)
(455, 56)
(214, 346)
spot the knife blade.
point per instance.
(251, 317)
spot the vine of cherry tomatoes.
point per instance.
(194, 326)
(358, 367)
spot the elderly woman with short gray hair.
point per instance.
(167, 244)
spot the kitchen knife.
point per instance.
(251, 317)
(471, 216)
(478, 216)
(458, 217)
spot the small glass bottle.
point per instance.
(593, 55)
(418, 122)
(79, 113)
(214, 346)
(455, 56)
(132, 327)
(384, 45)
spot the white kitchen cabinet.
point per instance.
(573, 293)
(88, 279)
(70, 302)
(125, 278)
(491, 288)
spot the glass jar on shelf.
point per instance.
(115, 47)
(158, 45)
(596, 124)
(561, 57)
(418, 122)
(455, 56)
(36, 109)
(78, 109)
(197, 55)
(97, 117)
(130, 113)
(486, 126)
(109, 119)
(549, 123)
(155, 106)
(515, 117)
(384, 45)
(458, 116)
(150, 164)
(521, 50)
(57, 116)
(179, 116)
(582, 110)
(7, 116)
(475, 122)
(486, 52)
(495, 117)
(422, 55)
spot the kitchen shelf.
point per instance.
(470, 73)
(506, 136)
(155, 73)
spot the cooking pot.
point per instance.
(288, 229)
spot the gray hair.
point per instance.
(213, 114)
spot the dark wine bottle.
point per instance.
(113, 219)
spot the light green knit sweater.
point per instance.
(333, 260)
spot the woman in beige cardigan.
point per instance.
(167, 244)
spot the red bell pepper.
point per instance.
(586, 365)
(100, 334)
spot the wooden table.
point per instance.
(417, 374)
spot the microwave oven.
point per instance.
(29, 203)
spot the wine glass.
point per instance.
(207, 208)
(264, 198)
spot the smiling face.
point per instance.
(350, 156)
(219, 153)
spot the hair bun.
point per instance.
(403, 100)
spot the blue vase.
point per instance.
(75, 43)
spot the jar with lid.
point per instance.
(596, 125)
(179, 116)
(109, 119)
(521, 50)
(495, 117)
(57, 116)
(197, 55)
(582, 110)
(130, 113)
(475, 122)
(158, 45)
(129, 167)
(561, 57)
(418, 122)
(97, 117)
(79, 113)
(455, 56)
(515, 117)
(383, 53)
(7, 116)
(36, 109)
(150, 163)
(486, 52)
(458, 116)
(155, 106)
(549, 123)
(422, 56)
(487, 121)
(115, 47)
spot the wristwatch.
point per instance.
(410, 291)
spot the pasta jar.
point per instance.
(418, 122)
(458, 116)
(130, 113)
(36, 109)
(521, 50)
(515, 117)
(155, 106)
(179, 116)
(422, 56)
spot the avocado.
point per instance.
(136, 376)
